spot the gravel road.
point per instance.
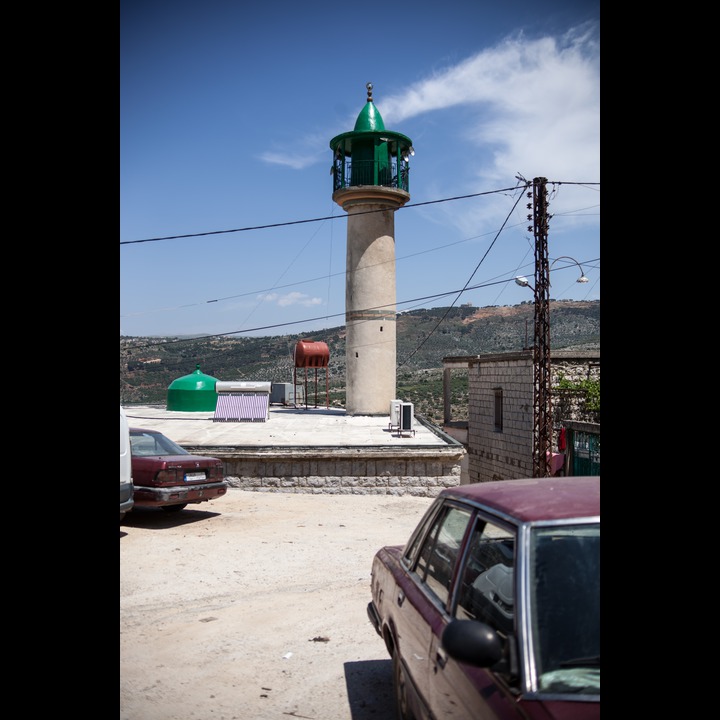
(253, 607)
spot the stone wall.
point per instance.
(422, 472)
(570, 404)
(495, 455)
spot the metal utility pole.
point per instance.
(542, 406)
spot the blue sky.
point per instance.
(226, 114)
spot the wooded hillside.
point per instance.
(424, 338)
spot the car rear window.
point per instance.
(145, 444)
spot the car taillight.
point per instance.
(170, 477)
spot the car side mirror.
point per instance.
(472, 642)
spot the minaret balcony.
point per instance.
(352, 173)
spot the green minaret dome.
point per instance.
(370, 155)
(369, 119)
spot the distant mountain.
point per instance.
(424, 338)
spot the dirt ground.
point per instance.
(253, 607)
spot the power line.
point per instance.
(311, 280)
(430, 334)
(303, 282)
(458, 293)
(313, 319)
(325, 317)
(329, 217)
(331, 275)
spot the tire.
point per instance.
(400, 688)
(174, 508)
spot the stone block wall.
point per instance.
(494, 455)
(506, 455)
(349, 471)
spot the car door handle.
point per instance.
(440, 658)
(400, 598)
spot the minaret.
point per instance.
(370, 181)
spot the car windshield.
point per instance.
(565, 607)
(145, 444)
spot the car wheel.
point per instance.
(400, 686)
(174, 508)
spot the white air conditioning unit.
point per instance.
(401, 415)
(395, 412)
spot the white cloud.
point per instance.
(534, 105)
(528, 106)
(516, 76)
(293, 298)
(296, 162)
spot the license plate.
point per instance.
(195, 476)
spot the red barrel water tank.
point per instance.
(311, 354)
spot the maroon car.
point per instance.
(492, 609)
(167, 476)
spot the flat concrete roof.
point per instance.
(286, 427)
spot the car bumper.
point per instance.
(126, 499)
(374, 617)
(177, 494)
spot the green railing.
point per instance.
(371, 172)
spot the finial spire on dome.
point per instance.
(369, 119)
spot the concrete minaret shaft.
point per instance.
(371, 180)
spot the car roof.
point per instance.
(535, 499)
(144, 430)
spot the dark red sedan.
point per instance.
(492, 609)
(167, 476)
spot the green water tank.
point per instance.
(192, 393)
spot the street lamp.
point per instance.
(581, 279)
(522, 281)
